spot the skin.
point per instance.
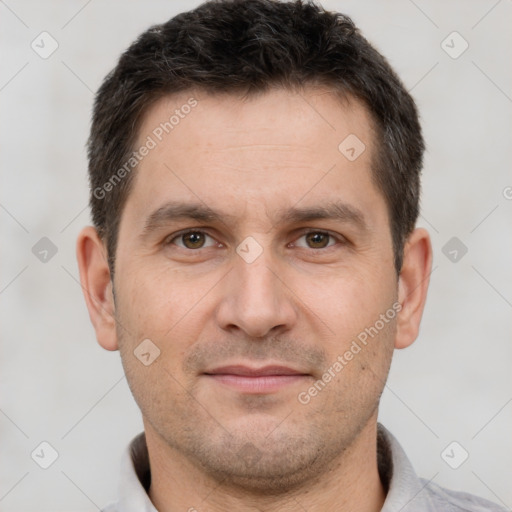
(299, 304)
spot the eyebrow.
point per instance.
(175, 211)
(336, 210)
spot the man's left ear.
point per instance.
(412, 286)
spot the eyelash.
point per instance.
(338, 238)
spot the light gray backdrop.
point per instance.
(58, 386)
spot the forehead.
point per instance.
(271, 149)
(278, 116)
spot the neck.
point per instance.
(351, 483)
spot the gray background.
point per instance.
(58, 386)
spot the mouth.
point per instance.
(246, 379)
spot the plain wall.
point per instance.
(57, 385)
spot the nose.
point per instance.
(256, 299)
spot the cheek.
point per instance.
(155, 303)
(360, 358)
(168, 308)
(346, 301)
(360, 344)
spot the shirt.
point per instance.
(405, 491)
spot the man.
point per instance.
(254, 170)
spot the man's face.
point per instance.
(288, 258)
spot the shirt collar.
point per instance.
(135, 479)
(405, 491)
(404, 488)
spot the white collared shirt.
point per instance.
(406, 492)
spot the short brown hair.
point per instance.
(248, 46)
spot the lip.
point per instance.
(246, 379)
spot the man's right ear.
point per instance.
(96, 284)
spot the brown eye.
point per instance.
(193, 240)
(317, 240)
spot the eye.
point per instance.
(193, 240)
(315, 240)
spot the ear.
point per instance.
(412, 286)
(97, 286)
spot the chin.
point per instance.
(264, 467)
